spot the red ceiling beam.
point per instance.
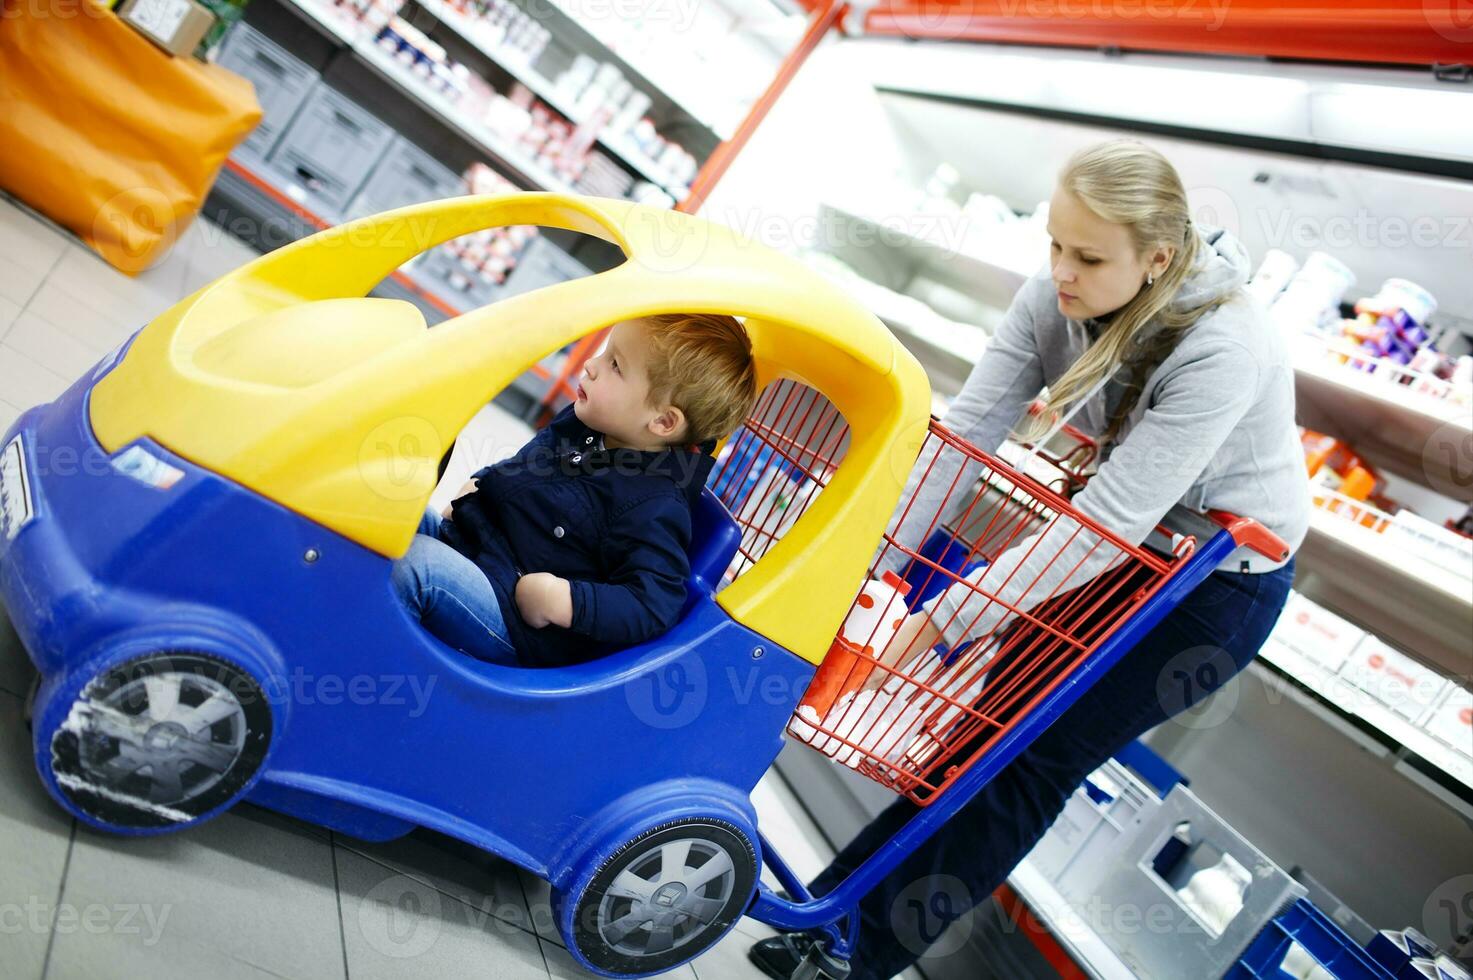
(1412, 32)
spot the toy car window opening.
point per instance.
(775, 465)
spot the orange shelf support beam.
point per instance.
(1409, 32)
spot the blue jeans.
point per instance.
(1207, 639)
(451, 596)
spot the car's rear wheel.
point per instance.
(664, 897)
(156, 742)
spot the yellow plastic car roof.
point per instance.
(284, 378)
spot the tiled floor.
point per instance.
(250, 894)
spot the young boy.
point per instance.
(577, 544)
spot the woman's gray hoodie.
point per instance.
(1213, 428)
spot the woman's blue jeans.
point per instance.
(1202, 643)
(451, 596)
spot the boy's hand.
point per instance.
(470, 487)
(544, 599)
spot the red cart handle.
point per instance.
(1248, 532)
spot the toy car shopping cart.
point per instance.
(936, 724)
(252, 461)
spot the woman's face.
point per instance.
(1095, 266)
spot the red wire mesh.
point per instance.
(774, 466)
(912, 718)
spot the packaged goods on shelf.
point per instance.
(1390, 337)
(1316, 633)
(426, 59)
(176, 26)
(603, 178)
(1393, 678)
(1344, 485)
(1451, 721)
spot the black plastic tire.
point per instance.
(160, 740)
(620, 934)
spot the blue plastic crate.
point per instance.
(1320, 937)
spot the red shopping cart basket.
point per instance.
(915, 719)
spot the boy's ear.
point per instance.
(669, 425)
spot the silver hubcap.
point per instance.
(168, 737)
(666, 898)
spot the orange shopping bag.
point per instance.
(106, 134)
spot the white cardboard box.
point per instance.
(1316, 633)
(1393, 678)
(1452, 722)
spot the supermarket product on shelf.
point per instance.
(413, 49)
(371, 14)
(505, 28)
(469, 270)
(176, 26)
(1342, 484)
(1334, 467)
(1393, 678)
(1451, 721)
(1316, 633)
(1390, 337)
(1360, 668)
(1431, 541)
(1273, 274)
(1312, 297)
(599, 91)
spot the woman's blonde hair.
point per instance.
(1126, 182)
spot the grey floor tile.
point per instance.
(8, 414)
(109, 293)
(28, 249)
(51, 347)
(455, 869)
(58, 304)
(26, 382)
(35, 835)
(215, 253)
(395, 926)
(15, 664)
(728, 960)
(8, 312)
(539, 902)
(247, 895)
(561, 965)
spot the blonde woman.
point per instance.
(1139, 326)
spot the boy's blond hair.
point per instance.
(702, 364)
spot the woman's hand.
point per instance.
(917, 633)
(469, 488)
(543, 599)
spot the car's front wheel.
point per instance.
(156, 742)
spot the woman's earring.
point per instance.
(1150, 279)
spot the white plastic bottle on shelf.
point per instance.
(1313, 296)
(1274, 273)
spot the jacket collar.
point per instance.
(577, 450)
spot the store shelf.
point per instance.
(1391, 426)
(354, 39)
(1400, 596)
(1333, 692)
(546, 90)
(989, 269)
(592, 35)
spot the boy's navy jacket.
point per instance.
(615, 523)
